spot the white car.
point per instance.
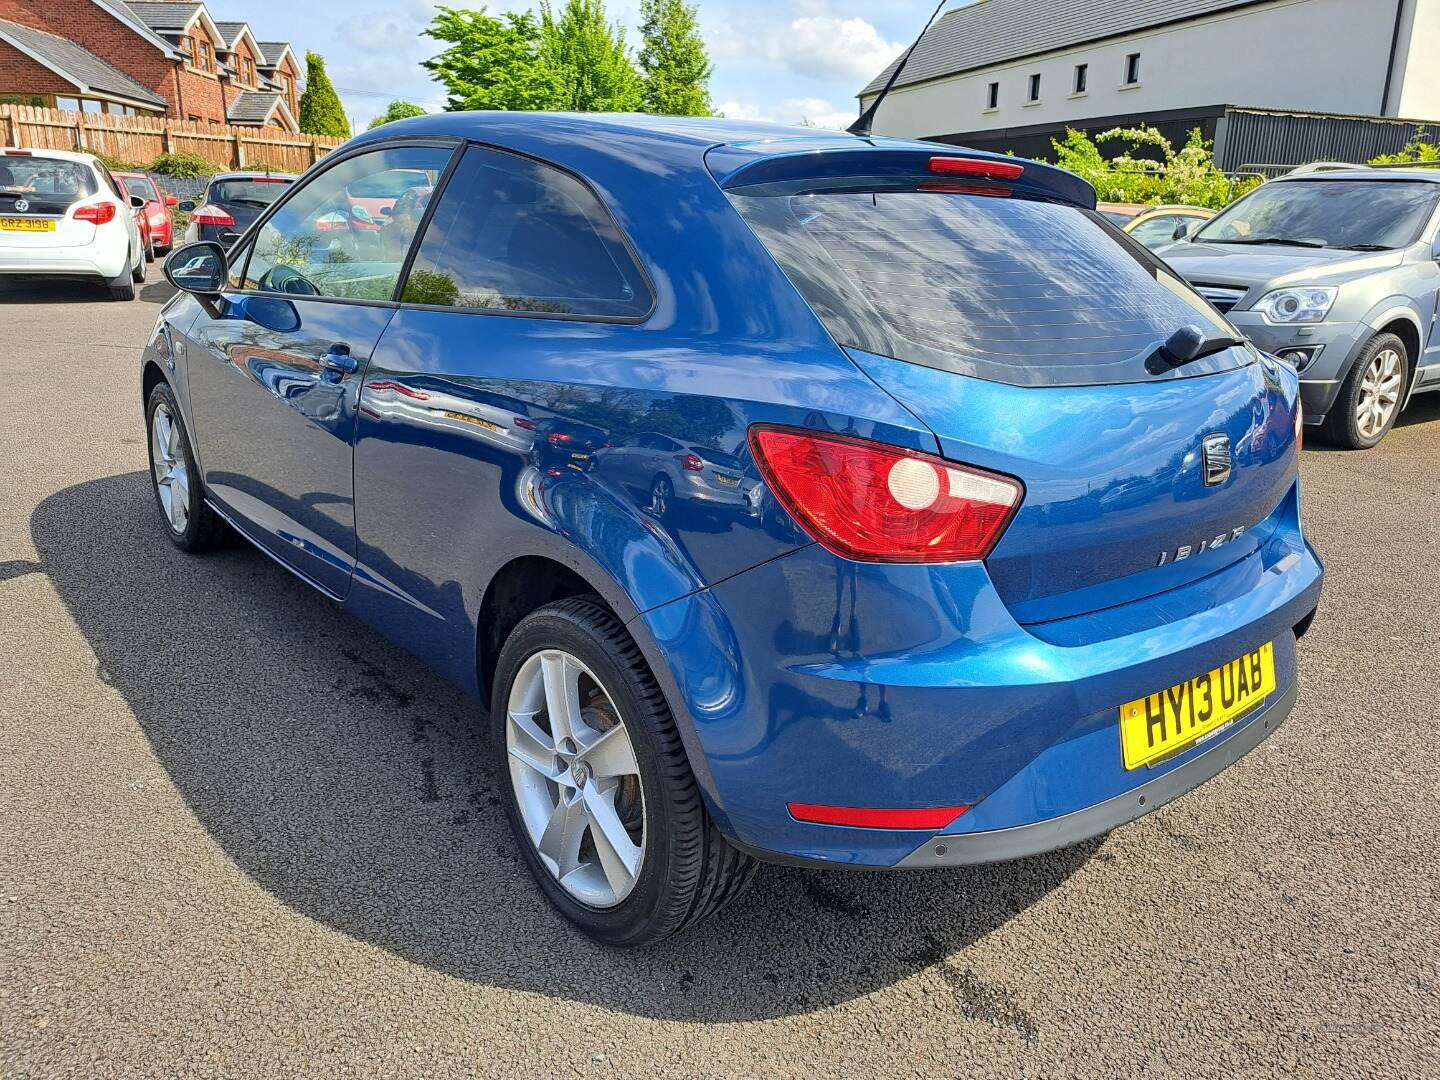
(63, 215)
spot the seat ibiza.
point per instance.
(1010, 551)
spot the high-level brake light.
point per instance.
(982, 168)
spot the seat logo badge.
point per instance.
(21, 205)
(1215, 453)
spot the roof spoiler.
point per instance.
(738, 168)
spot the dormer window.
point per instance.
(247, 71)
(206, 58)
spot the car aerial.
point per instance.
(1155, 226)
(64, 215)
(1334, 271)
(157, 208)
(231, 204)
(1005, 581)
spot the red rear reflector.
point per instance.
(691, 463)
(98, 213)
(990, 170)
(560, 436)
(872, 502)
(400, 388)
(525, 423)
(932, 817)
(210, 214)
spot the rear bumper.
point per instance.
(61, 263)
(810, 679)
(1020, 841)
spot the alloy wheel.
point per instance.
(1379, 393)
(172, 478)
(576, 780)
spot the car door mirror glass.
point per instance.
(138, 202)
(186, 207)
(1182, 230)
(197, 268)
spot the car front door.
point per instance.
(276, 362)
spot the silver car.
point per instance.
(675, 473)
(1337, 274)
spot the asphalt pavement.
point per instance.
(242, 835)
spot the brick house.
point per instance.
(156, 58)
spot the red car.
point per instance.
(157, 228)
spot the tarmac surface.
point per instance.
(242, 835)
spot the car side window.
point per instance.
(511, 234)
(346, 233)
(1155, 230)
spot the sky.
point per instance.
(782, 60)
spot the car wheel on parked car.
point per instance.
(138, 273)
(1370, 398)
(598, 788)
(189, 521)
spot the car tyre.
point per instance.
(149, 252)
(1371, 396)
(122, 287)
(189, 520)
(685, 870)
(137, 273)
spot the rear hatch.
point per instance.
(245, 199)
(1018, 328)
(36, 197)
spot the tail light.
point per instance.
(977, 167)
(210, 214)
(691, 463)
(560, 437)
(525, 423)
(96, 213)
(872, 502)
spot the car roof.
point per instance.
(1429, 176)
(46, 152)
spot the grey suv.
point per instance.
(1337, 274)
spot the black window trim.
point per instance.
(557, 316)
(328, 162)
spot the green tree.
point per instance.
(1149, 169)
(673, 60)
(397, 110)
(589, 55)
(492, 63)
(320, 110)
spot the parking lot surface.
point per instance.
(242, 835)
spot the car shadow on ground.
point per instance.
(355, 786)
(79, 290)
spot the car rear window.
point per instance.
(1011, 290)
(255, 192)
(45, 185)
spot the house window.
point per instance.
(1035, 87)
(247, 67)
(114, 108)
(187, 46)
(992, 96)
(1132, 69)
(206, 61)
(67, 104)
(1082, 73)
(90, 105)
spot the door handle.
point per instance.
(339, 360)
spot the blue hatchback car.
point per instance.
(789, 496)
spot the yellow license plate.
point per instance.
(1157, 726)
(20, 224)
(728, 481)
(468, 419)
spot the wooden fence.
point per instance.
(141, 139)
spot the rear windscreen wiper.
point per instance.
(1269, 240)
(1185, 346)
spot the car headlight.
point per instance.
(1310, 304)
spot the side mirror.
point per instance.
(186, 207)
(139, 202)
(1182, 230)
(170, 200)
(199, 268)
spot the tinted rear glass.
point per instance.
(47, 185)
(255, 192)
(1010, 290)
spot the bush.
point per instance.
(1417, 149)
(1150, 169)
(115, 164)
(182, 165)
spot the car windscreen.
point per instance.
(1352, 215)
(251, 192)
(389, 185)
(44, 185)
(138, 185)
(1010, 290)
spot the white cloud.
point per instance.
(816, 111)
(824, 47)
